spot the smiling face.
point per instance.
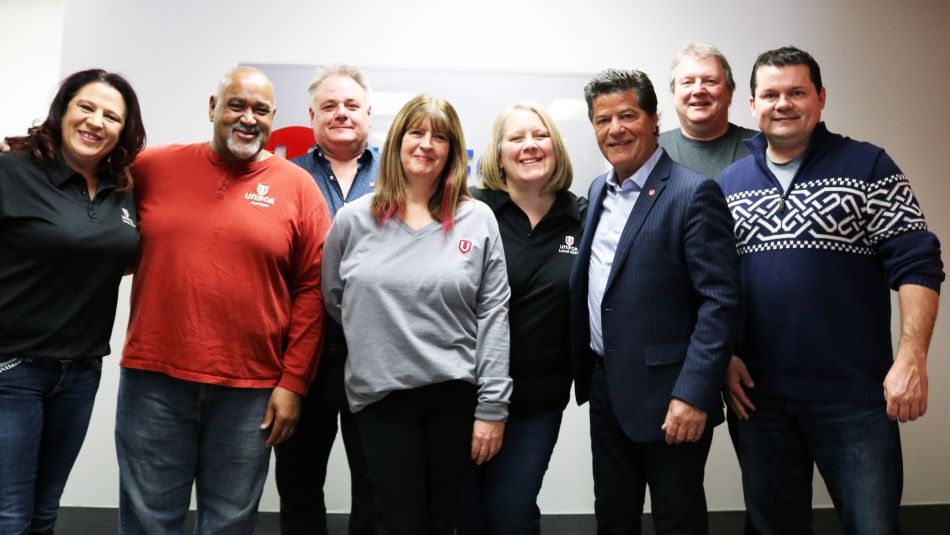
(527, 151)
(423, 153)
(242, 113)
(625, 132)
(701, 97)
(340, 113)
(91, 126)
(787, 106)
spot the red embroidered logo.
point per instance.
(465, 246)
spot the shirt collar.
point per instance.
(365, 156)
(564, 202)
(639, 178)
(62, 173)
(495, 199)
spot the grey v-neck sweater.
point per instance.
(419, 306)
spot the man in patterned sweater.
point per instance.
(824, 226)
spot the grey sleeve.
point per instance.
(492, 346)
(332, 283)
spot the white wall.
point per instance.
(31, 36)
(884, 68)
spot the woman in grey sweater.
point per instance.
(416, 275)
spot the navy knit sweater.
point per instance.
(816, 264)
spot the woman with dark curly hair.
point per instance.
(67, 234)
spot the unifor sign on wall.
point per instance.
(477, 96)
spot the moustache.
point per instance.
(249, 130)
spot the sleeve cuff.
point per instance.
(495, 412)
(295, 384)
(922, 280)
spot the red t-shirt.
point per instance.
(227, 287)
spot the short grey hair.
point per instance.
(702, 51)
(342, 70)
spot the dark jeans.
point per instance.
(301, 467)
(501, 496)
(45, 408)
(418, 446)
(732, 422)
(623, 469)
(170, 434)
(855, 446)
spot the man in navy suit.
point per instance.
(655, 313)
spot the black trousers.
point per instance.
(301, 467)
(418, 450)
(623, 469)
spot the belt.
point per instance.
(65, 364)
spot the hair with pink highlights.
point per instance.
(390, 198)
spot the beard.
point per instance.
(245, 150)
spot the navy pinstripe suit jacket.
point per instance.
(670, 313)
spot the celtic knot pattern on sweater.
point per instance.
(838, 214)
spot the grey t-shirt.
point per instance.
(420, 306)
(708, 158)
(785, 172)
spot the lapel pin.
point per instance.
(651, 191)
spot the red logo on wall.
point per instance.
(465, 246)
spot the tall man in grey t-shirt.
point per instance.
(702, 85)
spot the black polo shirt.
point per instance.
(539, 268)
(61, 259)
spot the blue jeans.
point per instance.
(170, 433)
(855, 446)
(501, 496)
(44, 413)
